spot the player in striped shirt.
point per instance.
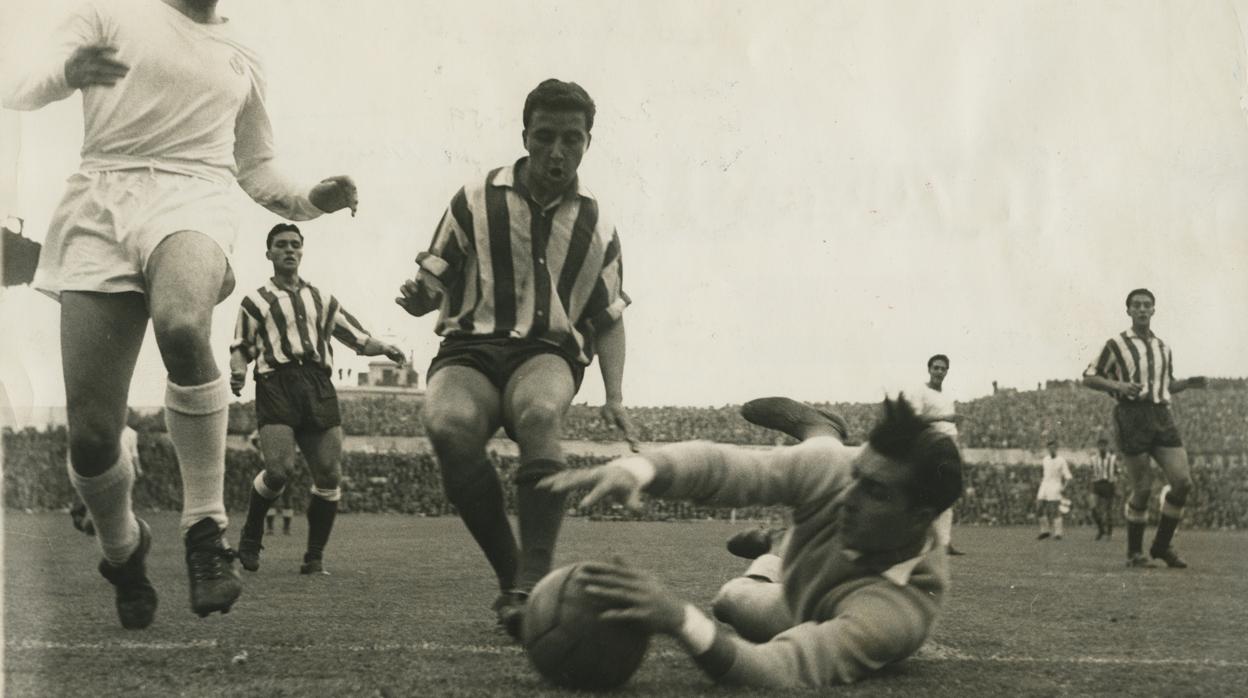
(1137, 368)
(526, 274)
(285, 327)
(1104, 475)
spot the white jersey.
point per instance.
(933, 404)
(193, 102)
(1056, 475)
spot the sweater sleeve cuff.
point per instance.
(719, 658)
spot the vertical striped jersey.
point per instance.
(502, 265)
(1132, 358)
(277, 327)
(1104, 467)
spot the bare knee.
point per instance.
(1181, 487)
(182, 336)
(539, 419)
(327, 479)
(452, 426)
(93, 447)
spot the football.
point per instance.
(567, 643)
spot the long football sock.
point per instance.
(258, 504)
(541, 515)
(197, 417)
(480, 504)
(1171, 514)
(107, 497)
(322, 510)
(1136, 520)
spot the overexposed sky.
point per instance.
(812, 199)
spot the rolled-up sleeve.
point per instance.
(244, 333)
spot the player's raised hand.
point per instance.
(94, 65)
(334, 193)
(614, 414)
(611, 482)
(632, 595)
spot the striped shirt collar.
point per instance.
(507, 178)
(272, 284)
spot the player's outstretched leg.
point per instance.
(797, 419)
(1174, 463)
(263, 494)
(100, 339)
(187, 272)
(462, 410)
(534, 402)
(1135, 508)
(323, 450)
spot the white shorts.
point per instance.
(109, 223)
(1050, 491)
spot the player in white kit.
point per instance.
(174, 113)
(937, 408)
(1049, 495)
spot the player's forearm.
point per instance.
(1102, 384)
(38, 88)
(704, 472)
(268, 186)
(611, 352)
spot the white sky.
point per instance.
(812, 198)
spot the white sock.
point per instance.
(107, 497)
(263, 489)
(944, 528)
(197, 417)
(1057, 526)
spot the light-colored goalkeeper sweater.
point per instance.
(853, 613)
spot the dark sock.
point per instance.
(321, 514)
(285, 524)
(257, 507)
(1135, 538)
(1100, 525)
(1168, 523)
(480, 506)
(541, 515)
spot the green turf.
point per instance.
(405, 612)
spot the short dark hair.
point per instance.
(938, 357)
(935, 464)
(1138, 291)
(1103, 440)
(281, 228)
(556, 95)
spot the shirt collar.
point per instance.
(507, 177)
(899, 573)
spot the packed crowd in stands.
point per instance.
(409, 483)
(1212, 420)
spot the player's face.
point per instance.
(556, 141)
(1052, 450)
(1140, 308)
(876, 512)
(286, 252)
(937, 372)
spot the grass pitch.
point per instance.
(405, 611)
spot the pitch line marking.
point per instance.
(931, 652)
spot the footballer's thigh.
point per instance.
(534, 402)
(1175, 466)
(101, 334)
(323, 451)
(185, 276)
(461, 412)
(277, 446)
(1140, 477)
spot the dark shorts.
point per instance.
(1143, 426)
(300, 396)
(1104, 489)
(498, 358)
